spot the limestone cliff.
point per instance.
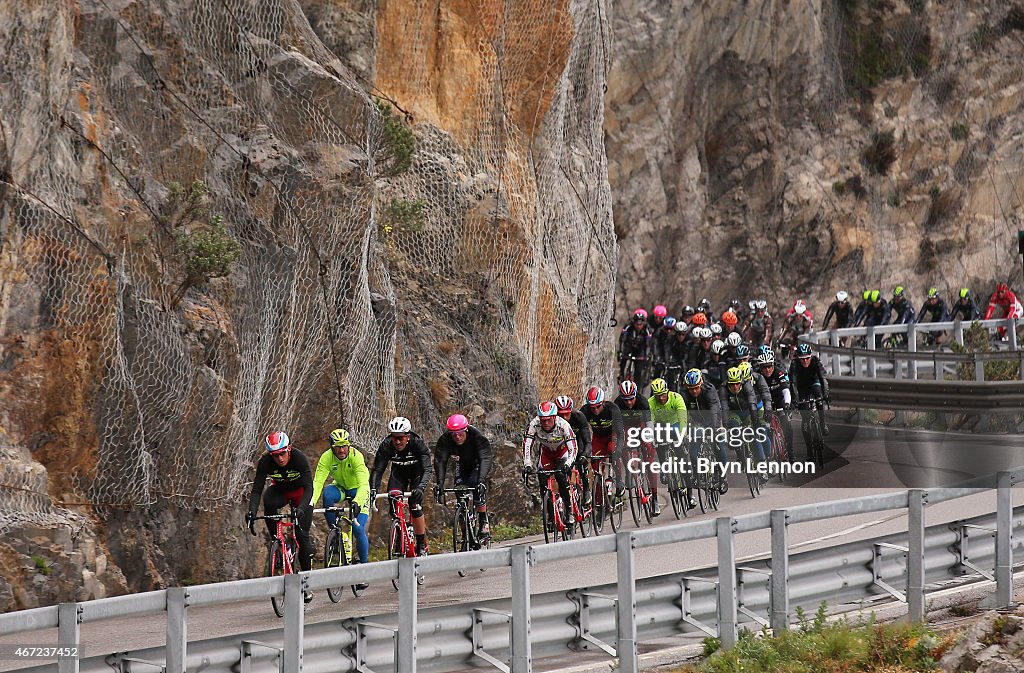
(797, 148)
(407, 186)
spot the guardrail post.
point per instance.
(979, 368)
(780, 571)
(870, 331)
(69, 619)
(522, 658)
(837, 363)
(177, 629)
(1011, 331)
(294, 584)
(726, 582)
(1004, 537)
(629, 662)
(915, 554)
(912, 348)
(406, 615)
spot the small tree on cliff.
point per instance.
(397, 143)
(206, 250)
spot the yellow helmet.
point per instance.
(734, 375)
(339, 437)
(745, 370)
(659, 387)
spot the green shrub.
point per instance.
(404, 217)
(959, 131)
(399, 143)
(208, 252)
(42, 567)
(977, 340)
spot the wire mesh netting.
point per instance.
(114, 110)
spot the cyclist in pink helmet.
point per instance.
(473, 458)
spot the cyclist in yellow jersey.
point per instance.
(669, 409)
(345, 464)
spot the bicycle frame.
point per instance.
(285, 535)
(400, 512)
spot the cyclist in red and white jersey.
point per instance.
(554, 438)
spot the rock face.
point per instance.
(474, 275)
(994, 644)
(748, 148)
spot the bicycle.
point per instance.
(746, 458)
(284, 548)
(675, 484)
(812, 423)
(464, 523)
(402, 539)
(707, 483)
(552, 511)
(781, 451)
(674, 377)
(635, 371)
(338, 550)
(602, 484)
(639, 488)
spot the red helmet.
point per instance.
(699, 319)
(1002, 288)
(277, 442)
(595, 396)
(457, 423)
(564, 404)
(660, 311)
(546, 409)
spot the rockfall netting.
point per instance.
(158, 388)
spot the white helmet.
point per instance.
(760, 304)
(841, 296)
(716, 328)
(799, 307)
(705, 333)
(717, 346)
(681, 327)
(734, 339)
(399, 425)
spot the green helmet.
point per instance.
(746, 371)
(339, 437)
(867, 294)
(898, 291)
(734, 375)
(964, 292)
(659, 387)
(875, 294)
(933, 292)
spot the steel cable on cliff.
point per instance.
(162, 85)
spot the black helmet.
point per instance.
(688, 311)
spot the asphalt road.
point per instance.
(862, 461)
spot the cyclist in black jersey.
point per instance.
(411, 470)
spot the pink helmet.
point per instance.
(640, 314)
(457, 423)
(660, 311)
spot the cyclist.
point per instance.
(934, 309)
(778, 386)
(798, 321)
(1004, 301)
(346, 466)
(605, 422)
(862, 308)
(761, 390)
(901, 304)
(808, 381)
(677, 347)
(700, 353)
(557, 444)
(473, 458)
(668, 409)
(841, 309)
(729, 320)
(636, 415)
(662, 340)
(736, 306)
(877, 312)
(411, 470)
(636, 341)
(714, 369)
(705, 307)
(733, 342)
(291, 481)
(704, 408)
(758, 324)
(584, 441)
(658, 315)
(740, 402)
(965, 308)
(686, 315)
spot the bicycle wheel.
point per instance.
(548, 517)
(397, 545)
(614, 505)
(817, 441)
(275, 567)
(460, 533)
(600, 509)
(583, 524)
(634, 498)
(780, 451)
(674, 496)
(334, 556)
(753, 480)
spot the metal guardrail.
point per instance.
(954, 396)
(508, 633)
(871, 361)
